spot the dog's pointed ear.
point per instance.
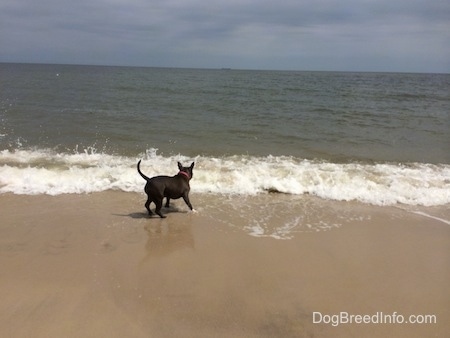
(192, 165)
(180, 166)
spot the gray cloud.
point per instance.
(394, 35)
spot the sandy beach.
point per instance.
(95, 265)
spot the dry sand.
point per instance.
(96, 266)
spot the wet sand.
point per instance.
(96, 266)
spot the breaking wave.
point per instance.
(44, 171)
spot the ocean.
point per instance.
(375, 138)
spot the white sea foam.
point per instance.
(432, 217)
(48, 172)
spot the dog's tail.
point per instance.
(140, 172)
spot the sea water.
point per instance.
(377, 138)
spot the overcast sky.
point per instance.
(361, 35)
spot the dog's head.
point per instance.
(186, 171)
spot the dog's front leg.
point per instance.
(167, 202)
(186, 200)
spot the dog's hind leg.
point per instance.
(147, 206)
(159, 203)
(167, 202)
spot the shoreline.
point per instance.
(96, 265)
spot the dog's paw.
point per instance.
(194, 211)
